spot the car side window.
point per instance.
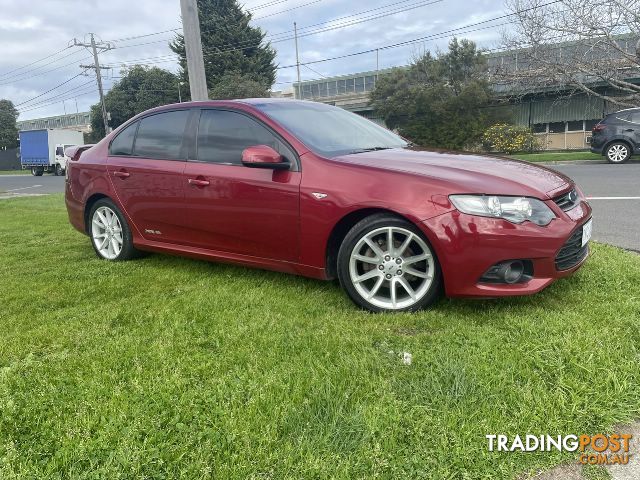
(635, 117)
(123, 143)
(161, 135)
(223, 136)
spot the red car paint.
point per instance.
(271, 218)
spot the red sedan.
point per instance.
(314, 190)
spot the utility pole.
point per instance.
(193, 48)
(295, 35)
(102, 47)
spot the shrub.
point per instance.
(505, 138)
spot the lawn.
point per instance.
(173, 368)
(15, 172)
(557, 156)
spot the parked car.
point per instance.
(617, 136)
(311, 189)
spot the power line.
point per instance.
(50, 90)
(55, 98)
(34, 62)
(75, 62)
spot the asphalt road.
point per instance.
(616, 220)
(23, 185)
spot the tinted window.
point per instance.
(223, 136)
(574, 126)
(556, 127)
(635, 117)
(540, 128)
(123, 143)
(160, 136)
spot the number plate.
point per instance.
(586, 232)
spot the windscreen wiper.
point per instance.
(370, 149)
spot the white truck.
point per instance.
(43, 150)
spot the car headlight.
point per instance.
(513, 209)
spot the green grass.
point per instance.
(173, 368)
(15, 172)
(557, 156)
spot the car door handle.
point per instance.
(629, 130)
(198, 183)
(121, 174)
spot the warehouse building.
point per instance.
(72, 121)
(560, 120)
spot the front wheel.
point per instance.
(59, 171)
(110, 234)
(386, 264)
(618, 152)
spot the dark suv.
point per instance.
(617, 136)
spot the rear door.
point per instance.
(236, 209)
(146, 163)
(633, 129)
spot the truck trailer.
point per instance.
(43, 150)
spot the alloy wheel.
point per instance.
(617, 153)
(106, 231)
(391, 268)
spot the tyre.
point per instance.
(37, 171)
(110, 234)
(386, 264)
(59, 171)
(618, 152)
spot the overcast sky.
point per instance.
(39, 30)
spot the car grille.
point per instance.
(568, 200)
(572, 253)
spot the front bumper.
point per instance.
(467, 246)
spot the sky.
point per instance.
(37, 52)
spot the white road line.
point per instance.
(23, 188)
(613, 198)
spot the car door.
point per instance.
(633, 129)
(145, 165)
(236, 209)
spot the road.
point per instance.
(23, 185)
(616, 220)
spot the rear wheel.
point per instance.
(110, 234)
(618, 152)
(37, 171)
(386, 264)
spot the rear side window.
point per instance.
(635, 117)
(161, 135)
(123, 143)
(223, 135)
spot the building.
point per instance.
(72, 121)
(561, 119)
(350, 92)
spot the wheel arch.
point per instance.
(618, 140)
(340, 230)
(91, 201)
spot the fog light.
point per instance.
(511, 272)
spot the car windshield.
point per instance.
(331, 131)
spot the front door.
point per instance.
(235, 209)
(146, 165)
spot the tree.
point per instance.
(140, 89)
(233, 85)
(8, 127)
(588, 46)
(229, 45)
(439, 101)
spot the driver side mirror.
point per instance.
(263, 156)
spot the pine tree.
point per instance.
(230, 45)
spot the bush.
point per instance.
(509, 139)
